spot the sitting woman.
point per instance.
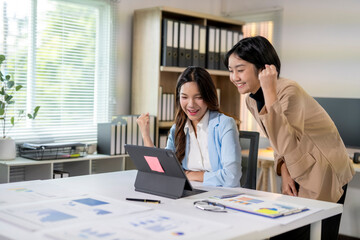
(205, 141)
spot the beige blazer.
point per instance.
(303, 135)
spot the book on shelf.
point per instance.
(166, 106)
(162, 140)
(123, 138)
(120, 137)
(261, 206)
(160, 103)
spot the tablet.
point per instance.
(159, 172)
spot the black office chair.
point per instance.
(249, 140)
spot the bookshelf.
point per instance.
(23, 169)
(148, 75)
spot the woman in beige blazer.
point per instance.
(309, 154)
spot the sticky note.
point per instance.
(154, 163)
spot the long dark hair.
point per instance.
(208, 93)
(256, 50)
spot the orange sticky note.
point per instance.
(154, 163)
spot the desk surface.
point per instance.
(119, 185)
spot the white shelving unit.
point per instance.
(23, 169)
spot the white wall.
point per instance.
(124, 35)
(319, 42)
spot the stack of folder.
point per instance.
(185, 44)
(166, 106)
(112, 136)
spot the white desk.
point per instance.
(119, 185)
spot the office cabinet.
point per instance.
(151, 79)
(22, 169)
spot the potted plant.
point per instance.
(7, 92)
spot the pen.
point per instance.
(143, 200)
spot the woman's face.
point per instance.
(192, 103)
(243, 75)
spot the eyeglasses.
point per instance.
(209, 206)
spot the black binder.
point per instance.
(195, 52)
(175, 53)
(210, 60)
(188, 44)
(167, 42)
(182, 59)
(202, 47)
(217, 49)
(159, 172)
(223, 49)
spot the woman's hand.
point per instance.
(144, 125)
(288, 184)
(195, 175)
(268, 78)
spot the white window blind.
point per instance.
(61, 51)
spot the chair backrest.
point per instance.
(249, 140)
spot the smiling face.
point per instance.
(243, 75)
(192, 103)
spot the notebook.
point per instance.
(159, 172)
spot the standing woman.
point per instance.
(205, 141)
(309, 154)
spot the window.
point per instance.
(265, 29)
(61, 51)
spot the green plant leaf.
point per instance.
(8, 98)
(30, 116)
(7, 77)
(2, 111)
(36, 110)
(18, 87)
(2, 92)
(10, 84)
(12, 120)
(2, 58)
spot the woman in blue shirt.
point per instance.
(205, 141)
